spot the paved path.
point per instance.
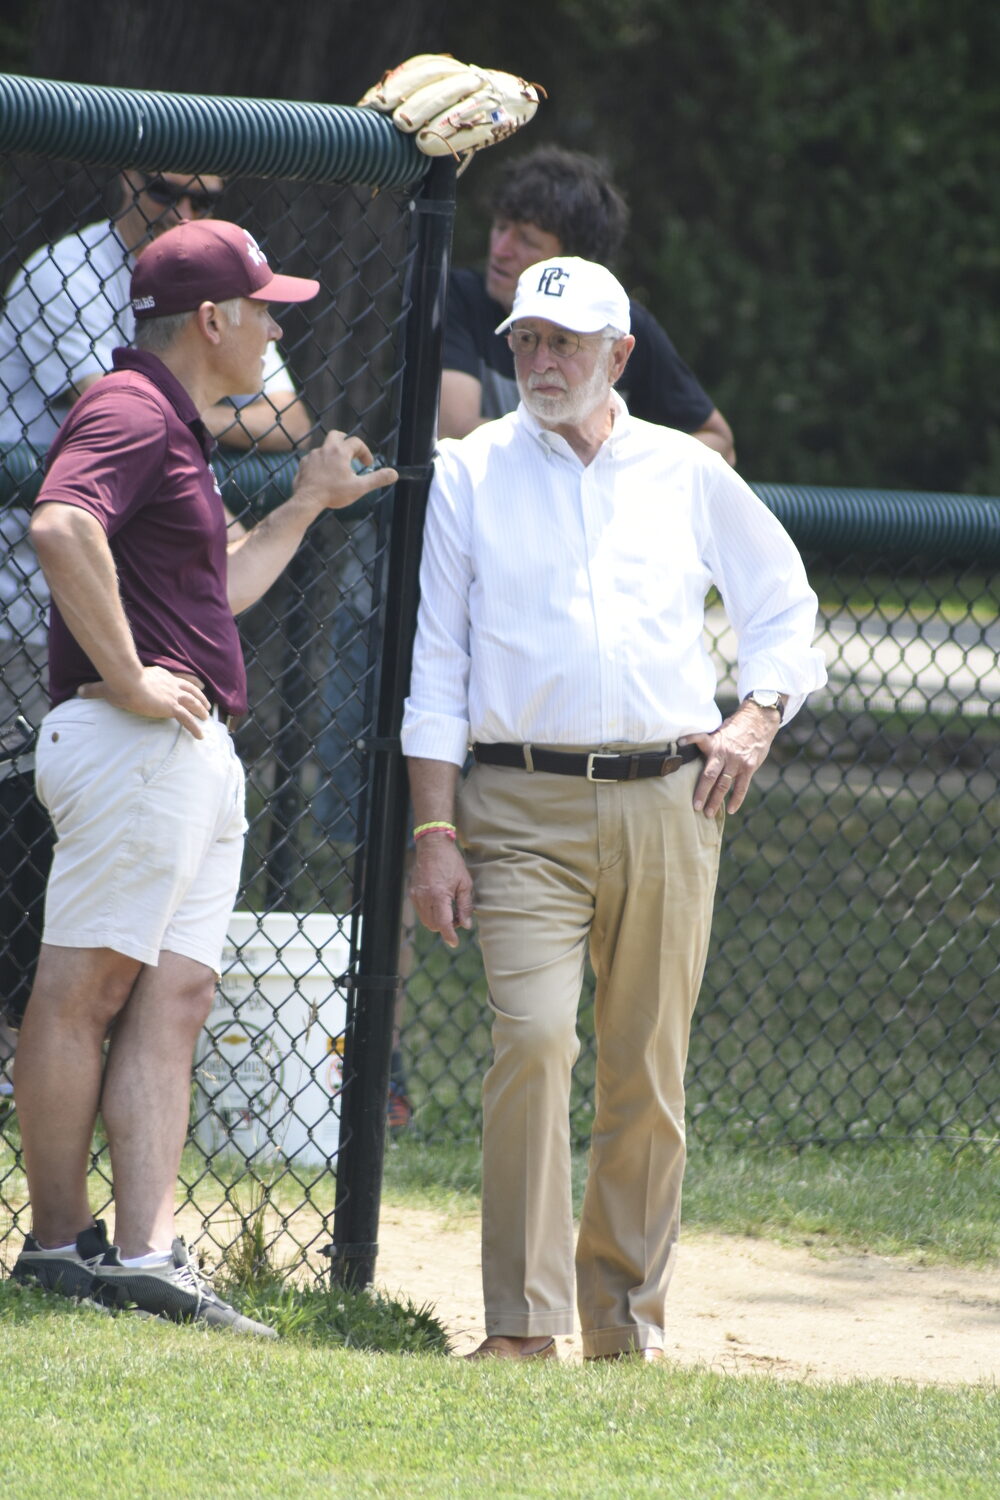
(906, 664)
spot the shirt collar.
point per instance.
(155, 370)
(554, 442)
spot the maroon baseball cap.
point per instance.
(208, 262)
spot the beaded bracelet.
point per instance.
(448, 829)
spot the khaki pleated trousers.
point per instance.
(630, 868)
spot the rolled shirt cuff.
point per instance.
(431, 736)
(796, 680)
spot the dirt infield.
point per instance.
(744, 1306)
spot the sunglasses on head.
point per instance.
(167, 194)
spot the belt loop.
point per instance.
(529, 764)
(228, 721)
(633, 767)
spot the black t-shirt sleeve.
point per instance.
(657, 384)
(472, 346)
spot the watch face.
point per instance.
(766, 699)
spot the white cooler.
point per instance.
(269, 1063)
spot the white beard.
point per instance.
(569, 408)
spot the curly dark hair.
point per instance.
(567, 194)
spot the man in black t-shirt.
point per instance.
(556, 202)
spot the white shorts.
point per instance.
(149, 832)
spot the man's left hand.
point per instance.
(326, 477)
(732, 754)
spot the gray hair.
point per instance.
(155, 335)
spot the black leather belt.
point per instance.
(596, 765)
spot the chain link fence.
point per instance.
(851, 989)
(269, 1085)
(852, 985)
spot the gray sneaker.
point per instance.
(174, 1290)
(69, 1272)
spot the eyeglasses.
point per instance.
(168, 194)
(561, 343)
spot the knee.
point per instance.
(539, 1039)
(194, 1001)
(87, 997)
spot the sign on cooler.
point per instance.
(269, 1063)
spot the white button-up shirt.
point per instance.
(564, 604)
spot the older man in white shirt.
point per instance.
(569, 549)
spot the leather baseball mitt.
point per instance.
(452, 107)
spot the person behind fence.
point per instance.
(65, 312)
(338, 801)
(557, 202)
(568, 551)
(136, 765)
(68, 309)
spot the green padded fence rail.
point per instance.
(888, 523)
(115, 127)
(897, 524)
(258, 481)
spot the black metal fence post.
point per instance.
(369, 1035)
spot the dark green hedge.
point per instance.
(814, 212)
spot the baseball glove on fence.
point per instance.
(452, 107)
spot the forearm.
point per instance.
(80, 570)
(261, 554)
(440, 886)
(433, 784)
(716, 433)
(325, 480)
(272, 424)
(461, 397)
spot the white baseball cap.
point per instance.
(577, 294)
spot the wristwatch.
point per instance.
(766, 698)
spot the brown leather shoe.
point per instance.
(633, 1356)
(498, 1346)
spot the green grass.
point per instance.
(338, 1317)
(92, 1406)
(926, 1205)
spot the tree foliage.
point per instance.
(813, 213)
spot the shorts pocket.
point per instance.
(161, 748)
(65, 753)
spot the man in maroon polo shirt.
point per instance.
(135, 761)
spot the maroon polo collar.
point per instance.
(166, 381)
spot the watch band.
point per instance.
(766, 698)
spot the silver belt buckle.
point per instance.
(598, 755)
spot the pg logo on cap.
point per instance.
(550, 283)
